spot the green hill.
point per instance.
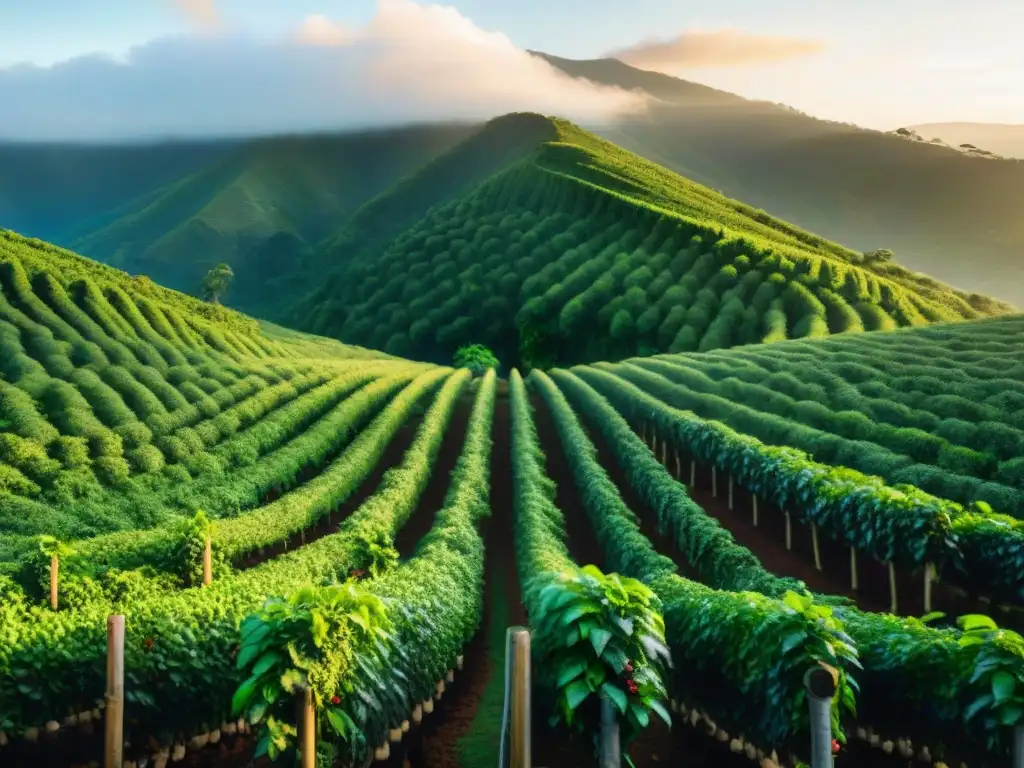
(258, 207)
(949, 215)
(55, 191)
(363, 491)
(579, 250)
(115, 391)
(939, 408)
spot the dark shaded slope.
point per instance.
(490, 148)
(257, 208)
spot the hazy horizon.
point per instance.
(184, 69)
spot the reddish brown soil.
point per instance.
(440, 478)
(440, 745)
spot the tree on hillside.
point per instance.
(216, 283)
(476, 357)
(879, 256)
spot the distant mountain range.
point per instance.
(946, 214)
(171, 210)
(1003, 139)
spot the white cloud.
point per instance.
(410, 63)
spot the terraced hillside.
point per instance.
(864, 188)
(373, 525)
(577, 250)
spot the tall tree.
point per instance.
(216, 283)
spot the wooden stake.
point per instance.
(853, 569)
(714, 481)
(929, 570)
(114, 736)
(892, 589)
(754, 501)
(730, 491)
(789, 531)
(54, 570)
(814, 542)
(693, 473)
(307, 730)
(520, 748)
(207, 563)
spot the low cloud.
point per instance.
(202, 13)
(716, 48)
(411, 63)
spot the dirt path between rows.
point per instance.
(467, 731)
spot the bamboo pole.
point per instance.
(929, 570)
(207, 563)
(521, 749)
(814, 543)
(853, 569)
(892, 589)
(789, 531)
(754, 502)
(714, 481)
(113, 745)
(307, 730)
(730, 491)
(54, 571)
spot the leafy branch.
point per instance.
(603, 638)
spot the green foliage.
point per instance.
(311, 641)
(725, 645)
(216, 283)
(603, 638)
(903, 661)
(476, 357)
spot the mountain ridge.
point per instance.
(579, 212)
(943, 213)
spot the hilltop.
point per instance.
(947, 214)
(574, 249)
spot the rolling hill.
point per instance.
(575, 250)
(56, 191)
(259, 206)
(255, 502)
(951, 216)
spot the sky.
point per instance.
(121, 68)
